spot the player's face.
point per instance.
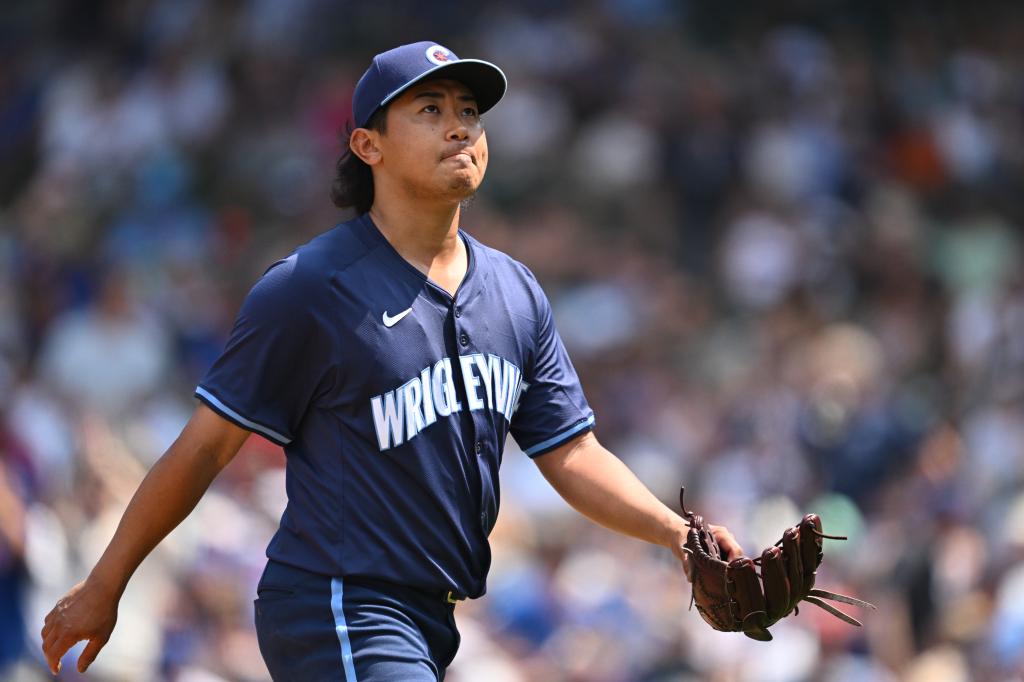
(435, 143)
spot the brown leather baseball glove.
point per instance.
(731, 596)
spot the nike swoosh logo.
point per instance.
(392, 321)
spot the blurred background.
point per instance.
(783, 246)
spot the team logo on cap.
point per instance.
(440, 55)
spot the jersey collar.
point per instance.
(467, 288)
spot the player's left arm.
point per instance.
(600, 486)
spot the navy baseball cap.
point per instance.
(394, 71)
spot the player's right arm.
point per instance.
(167, 494)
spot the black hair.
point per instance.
(353, 179)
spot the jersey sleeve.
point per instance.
(266, 378)
(552, 408)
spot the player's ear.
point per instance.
(363, 143)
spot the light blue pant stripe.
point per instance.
(341, 627)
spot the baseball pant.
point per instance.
(313, 627)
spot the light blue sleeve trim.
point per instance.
(242, 421)
(560, 437)
(341, 627)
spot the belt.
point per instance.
(445, 596)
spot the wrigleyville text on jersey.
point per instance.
(491, 383)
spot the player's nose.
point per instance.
(458, 132)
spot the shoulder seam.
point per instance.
(364, 254)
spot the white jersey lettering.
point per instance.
(413, 393)
(387, 419)
(472, 382)
(428, 397)
(401, 414)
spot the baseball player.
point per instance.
(390, 356)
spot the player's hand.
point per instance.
(725, 540)
(86, 612)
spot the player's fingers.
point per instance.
(49, 639)
(58, 647)
(90, 653)
(727, 542)
(49, 649)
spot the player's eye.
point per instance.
(431, 109)
(469, 111)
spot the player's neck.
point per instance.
(422, 235)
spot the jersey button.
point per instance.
(479, 447)
(458, 311)
(463, 339)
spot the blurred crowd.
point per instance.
(783, 247)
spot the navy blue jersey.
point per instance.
(393, 401)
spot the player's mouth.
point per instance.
(462, 151)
